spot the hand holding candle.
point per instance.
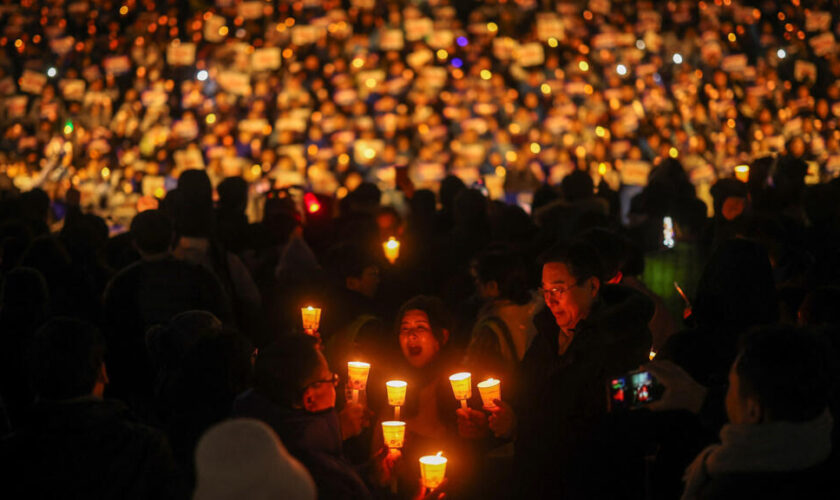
(392, 249)
(461, 387)
(432, 470)
(357, 375)
(490, 390)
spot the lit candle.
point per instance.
(357, 374)
(742, 173)
(652, 354)
(393, 433)
(311, 319)
(396, 395)
(461, 387)
(432, 470)
(490, 390)
(392, 249)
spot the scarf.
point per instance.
(770, 447)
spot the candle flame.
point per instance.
(392, 243)
(440, 453)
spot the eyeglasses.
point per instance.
(318, 383)
(556, 292)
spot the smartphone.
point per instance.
(633, 390)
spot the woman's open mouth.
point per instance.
(414, 350)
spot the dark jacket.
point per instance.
(562, 399)
(147, 293)
(88, 448)
(312, 438)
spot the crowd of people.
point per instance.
(116, 100)
(182, 179)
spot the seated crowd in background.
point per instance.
(560, 224)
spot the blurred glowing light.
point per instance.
(583, 65)
(552, 42)
(486, 74)
(312, 204)
(640, 44)
(673, 153)
(545, 88)
(535, 148)
(462, 41)
(202, 75)
(457, 62)
(51, 72)
(492, 27)
(678, 58)
(621, 69)
(781, 54)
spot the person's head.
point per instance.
(194, 216)
(233, 194)
(577, 186)
(24, 293)
(244, 458)
(357, 268)
(502, 274)
(424, 324)
(293, 373)
(736, 290)
(68, 360)
(152, 233)
(780, 374)
(571, 280)
(169, 344)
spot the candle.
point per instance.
(396, 395)
(742, 173)
(357, 374)
(432, 470)
(311, 318)
(396, 392)
(461, 387)
(490, 390)
(392, 249)
(394, 434)
(652, 354)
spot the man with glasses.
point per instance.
(588, 332)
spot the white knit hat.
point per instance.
(244, 458)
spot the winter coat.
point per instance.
(561, 399)
(312, 438)
(88, 448)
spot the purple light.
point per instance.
(457, 62)
(462, 41)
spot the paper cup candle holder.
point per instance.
(396, 395)
(311, 319)
(490, 390)
(392, 249)
(357, 375)
(461, 387)
(393, 433)
(432, 470)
